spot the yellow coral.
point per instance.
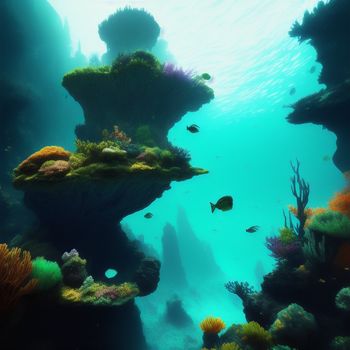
(212, 325)
(33, 162)
(230, 346)
(255, 335)
(71, 294)
(140, 166)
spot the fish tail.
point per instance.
(212, 206)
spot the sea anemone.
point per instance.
(212, 325)
(255, 336)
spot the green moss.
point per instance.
(48, 273)
(331, 223)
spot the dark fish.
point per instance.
(326, 158)
(148, 215)
(206, 76)
(292, 91)
(193, 128)
(252, 229)
(312, 69)
(224, 203)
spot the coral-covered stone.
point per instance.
(34, 162)
(147, 276)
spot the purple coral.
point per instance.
(281, 250)
(170, 69)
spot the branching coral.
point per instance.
(280, 250)
(241, 289)
(15, 272)
(33, 162)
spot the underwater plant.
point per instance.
(281, 250)
(15, 276)
(340, 343)
(255, 336)
(47, 273)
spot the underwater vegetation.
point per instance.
(128, 30)
(327, 29)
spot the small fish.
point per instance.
(148, 215)
(224, 203)
(312, 69)
(193, 128)
(326, 158)
(292, 91)
(206, 76)
(7, 149)
(321, 280)
(346, 268)
(252, 229)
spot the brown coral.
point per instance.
(56, 168)
(15, 271)
(33, 162)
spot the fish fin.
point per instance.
(212, 206)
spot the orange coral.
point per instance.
(341, 203)
(15, 271)
(212, 325)
(33, 162)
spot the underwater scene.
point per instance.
(175, 174)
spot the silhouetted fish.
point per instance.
(292, 91)
(312, 69)
(326, 158)
(252, 229)
(206, 76)
(193, 128)
(148, 215)
(224, 203)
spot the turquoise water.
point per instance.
(244, 140)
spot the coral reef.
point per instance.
(128, 30)
(134, 92)
(304, 302)
(327, 28)
(15, 276)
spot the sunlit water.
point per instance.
(245, 141)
